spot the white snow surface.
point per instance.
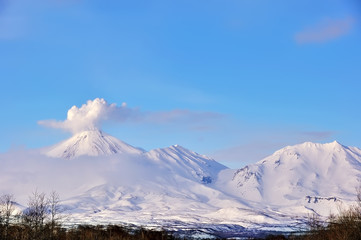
(295, 179)
(91, 143)
(109, 181)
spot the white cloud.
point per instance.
(92, 114)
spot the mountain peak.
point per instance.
(179, 148)
(306, 146)
(336, 143)
(92, 143)
(297, 171)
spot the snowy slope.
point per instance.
(175, 158)
(179, 188)
(187, 163)
(161, 186)
(308, 176)
(91, 143)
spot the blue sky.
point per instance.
(248, 77)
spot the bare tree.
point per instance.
(7, 209)
(358, 196)
(54, 212)
(36, 213)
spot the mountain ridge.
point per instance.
(175, 185)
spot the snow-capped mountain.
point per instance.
(162, 185)
(175, 158)
(179, 188)
(310, 176)
(91, 143)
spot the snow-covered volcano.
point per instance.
(176, 159)
(176, 184)
(132, 185)
(178, 187)
(91, 143)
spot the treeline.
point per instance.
(42, 220)
(83, 232)
(345, 226)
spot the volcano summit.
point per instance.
(91, 143)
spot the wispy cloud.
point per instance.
(318, 135)
(179, 115)
(326, 30)
(22, 171)
(95, 112)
